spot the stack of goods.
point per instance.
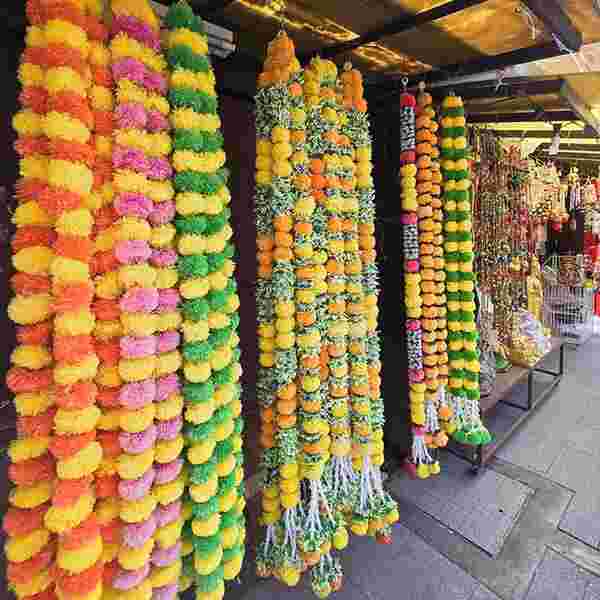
(214, 532)
(463, 381)
(106, 247)
(321, 413)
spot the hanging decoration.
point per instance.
(374, 511)
(421, 461)
(105, 306)
(463, 382)
(321, 413)
(214, 532)
(30, 547)
(68, 124)
(433, 287)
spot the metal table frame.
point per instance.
(480, 455)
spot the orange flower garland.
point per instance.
(30, 547)
(68, 124)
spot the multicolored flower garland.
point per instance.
(421, 461)
(68, 125)
(215, 532)
(331, 365)
(30, 547)
(463, 380)
(373, 509)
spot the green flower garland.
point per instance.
(463, 355)
(214, 532)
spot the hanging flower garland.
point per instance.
(373, 509)
(30, 547)
(432, 271)
(213, 537)
(463, 380)
(322, 533)
(274, 208)
(68, 125)
(106, 310)
(421, 462)
(142, 200)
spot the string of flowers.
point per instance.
(318, 531)
(436, 374)
(430, 250)
(372, 505)
(214, 534)
(68, 124)
(138, 143)
(274, 208)
(105, 309)
(421, 459)
(463, 380)
(30, 547)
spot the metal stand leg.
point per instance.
(530, 390)
(561, 364)
(477, 461)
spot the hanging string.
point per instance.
(530, 18)
(578, 58)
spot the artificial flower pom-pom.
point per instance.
(214, 527)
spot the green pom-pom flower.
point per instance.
(196, 309)
(198, 393)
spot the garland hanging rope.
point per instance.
(463, 382)
(30, 547)
(320, 405)
(213, 537)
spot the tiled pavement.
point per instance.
(482, 509)
(562, 442)
(520, 530)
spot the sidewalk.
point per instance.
(526, 528)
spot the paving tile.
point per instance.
(535, 452)
(481, 509)
(557, 578)
(271, 589)
(582, 519)
(482, 593)
(574, 469)
(417, 570)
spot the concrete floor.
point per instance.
(526, 528)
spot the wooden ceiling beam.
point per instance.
(566, 146)
(544, 135)
(569, 156)
(510, 88)
(523, 117)
(579, 107)
(557, 21)
(393, 27)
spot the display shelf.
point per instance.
(478, 456)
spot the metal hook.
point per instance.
(404, 82)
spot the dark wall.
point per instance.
(385, 130)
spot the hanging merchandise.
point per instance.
(148, 558)
(374, 509)
(107, 327)
(463, 382)
(321, 415)
(421, 460)
(68, 125)
(214, 532)
(30, 547)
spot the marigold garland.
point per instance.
(463, 380)
(311, 309)
(214, 532)
(433, 286)
(70, 178)
(30, 548)
(373, 508)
